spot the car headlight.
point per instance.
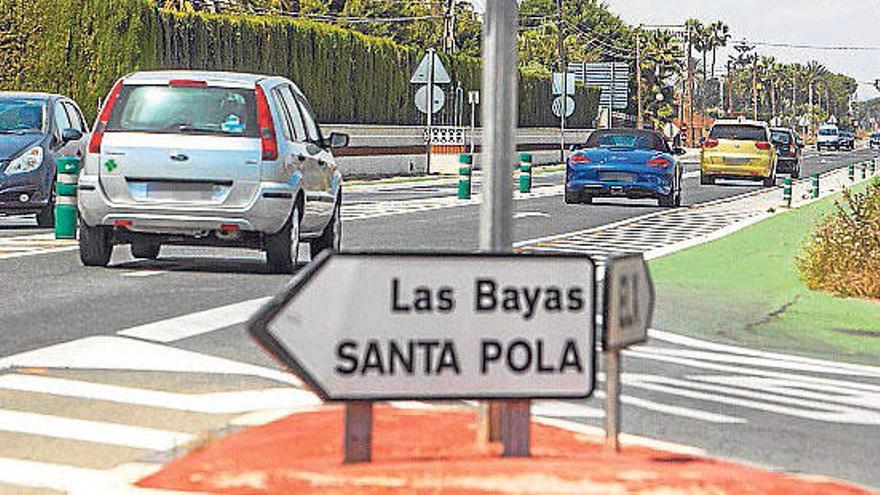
(27, 162)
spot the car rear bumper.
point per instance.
(267, 213)
(633, 190)
(787, 164)
(736, 171)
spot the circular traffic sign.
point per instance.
(422, 99)
(569, 106)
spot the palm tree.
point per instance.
(720, 35)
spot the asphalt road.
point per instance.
(61, 321)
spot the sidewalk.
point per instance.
(434, 451)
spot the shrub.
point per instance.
(79, 47)
(843, 255)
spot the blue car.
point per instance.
(35, 129)
(624, 163)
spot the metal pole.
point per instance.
(500, 96)
(560, 47)
(640, 119)
(611, 99)
(612, 399)
(430, 109)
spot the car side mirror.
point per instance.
(678, 151)
(68, 135)
(337, 140)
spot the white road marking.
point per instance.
(684, 412)
(117, 353)
(74, 480)
(560, 409)
(770, 402)
(143, 273)
(625, 438)
(91, 431)
(529, 214)
(190, 325)
(674, 338)
(210, 403)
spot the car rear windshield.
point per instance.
(827, 132)
(781, 137)
(628, 139)
(21, 116)
(185, 110)
(739, 132)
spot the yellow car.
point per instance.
(738, 149)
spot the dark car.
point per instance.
(847, 140)
(625, 163)
(875, 140)
(35, 129)
(788, 151)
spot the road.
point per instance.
(102, 367)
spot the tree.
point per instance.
(720, 35)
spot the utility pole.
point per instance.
(729, 90)
(640, 117)
(507, 421)
(755, 87)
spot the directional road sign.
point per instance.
(557, 106)
(611, 77)
(422, 99)
(629, 301)
(405, 326)
(422, 75)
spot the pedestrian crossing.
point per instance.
(34, 244)
(666, 231)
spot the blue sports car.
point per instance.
(626, 163)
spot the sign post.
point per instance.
(430, 72)
(436, 327)
(628, 308)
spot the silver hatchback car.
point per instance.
(209, 159)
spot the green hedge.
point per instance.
(79, 47)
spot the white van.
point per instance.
(828, 137)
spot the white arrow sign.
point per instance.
(404, 326)
(629, 301)
(422, 75)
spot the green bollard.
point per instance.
(525, 173)
(815, 187)
(852, 172)
(465, 168)
(67, 168)
(786, 192)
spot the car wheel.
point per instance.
(669, 200)
(94, 245)
(282, 247)
(706, 180)
(796, 172)
(571, 197)
(145, 249)
(331, 237)
(769, 181)
(46, 216)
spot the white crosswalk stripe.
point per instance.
(29, 245)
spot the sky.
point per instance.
(810, 22)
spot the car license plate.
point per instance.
(616, 177)
(735, 160)
(172, 191)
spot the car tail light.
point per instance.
(763, 145)
(578, 160)
(267, 126)
(103, 118)
(658, 162)
(710, 143)
(792, 152)
(187, 83)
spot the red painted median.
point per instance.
(435, 451)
